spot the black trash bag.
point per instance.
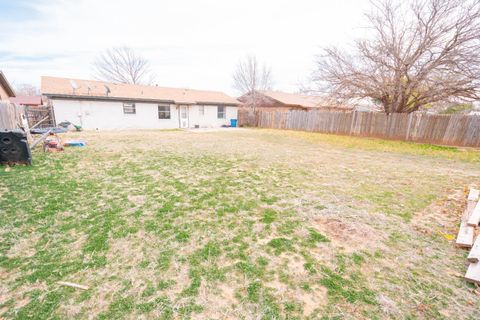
(14, 147)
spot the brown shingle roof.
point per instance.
(295, 99)
(27, 100)
(306, 101)
(52, 86)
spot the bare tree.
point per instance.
(306, 87)
(420, 52)
(251, 76)
(25, 89)
(122, 65)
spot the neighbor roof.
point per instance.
(4, 83)
(27, 100)
(90, 89)
(295, 99)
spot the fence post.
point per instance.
(409, 125)
(352, 125)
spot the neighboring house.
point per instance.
(28, 101)
(102, 105)
(364, 105)
(6, 90)
(451, 108)
(283, 101)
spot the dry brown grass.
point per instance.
(219, 225)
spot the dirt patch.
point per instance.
(311, 300)
(2, 311)
(442, 216)
(71, 308)
(295, 266)
(389, 307)
(19, 294)
(4, 291)
(130, 250)
(138, 200)
(24, 248)
(217, 301)
(98, 303)
(314, 298)
(348, 235)
(78, 241)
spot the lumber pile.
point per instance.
(466, 235)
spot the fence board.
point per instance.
(456, 130)
(9, 116)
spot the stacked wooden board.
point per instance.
(466, 235)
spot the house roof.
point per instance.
(27, 100)
(6, 85)
(295, 99)
(90, 89)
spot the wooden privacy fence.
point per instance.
(456, 130)
(10, 118)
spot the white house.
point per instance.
(101, 105)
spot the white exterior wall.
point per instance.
(93, 115)
(210, 119)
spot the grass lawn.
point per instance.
(246, 224)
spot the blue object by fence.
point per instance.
(74, 143)
(233, 123)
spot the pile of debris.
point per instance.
(16, 149)
(467, 233)
(17, 140)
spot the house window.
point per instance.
(129, 108)
(163, 111)
(201, 110)
(221, 112)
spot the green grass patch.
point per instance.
(351, 288)
(269, 216)
(281, 245)
(156, 218)
(314, 237)
(165, 259)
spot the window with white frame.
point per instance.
(163, 111)
(221, 112)
(129, 108)
(201, 110)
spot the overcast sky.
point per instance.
(193, 44)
